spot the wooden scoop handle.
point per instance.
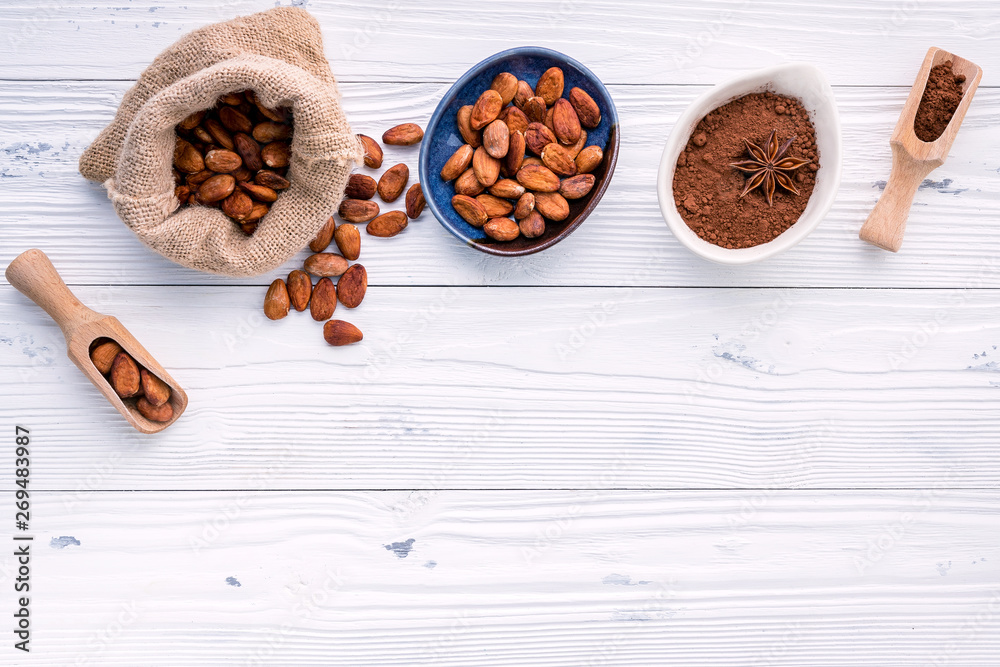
(887, 221)
(33, 275)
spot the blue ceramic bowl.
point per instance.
(442, 139)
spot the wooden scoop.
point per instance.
(34, 276)
(913, 159)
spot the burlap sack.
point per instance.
(278, 54)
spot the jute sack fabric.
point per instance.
(279, 55)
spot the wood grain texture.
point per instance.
(862, 425)
(951, 241)
(530, 388)
(636, 42)
(734, 579)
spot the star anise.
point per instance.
(767, 168)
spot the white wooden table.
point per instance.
(609, 453)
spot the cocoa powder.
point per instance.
(707, 189)
(941, 98)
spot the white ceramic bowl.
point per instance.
(799, 80)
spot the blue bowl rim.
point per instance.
(435, 119)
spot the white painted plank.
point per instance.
(791, 391)
(951, 237)
(636, 42)
(516, 578)
(530, 388)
